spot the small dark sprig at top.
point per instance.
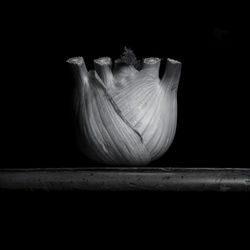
(129, 58)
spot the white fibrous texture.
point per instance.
(125, 116)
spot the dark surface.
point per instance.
(212, 96)
(126, 179)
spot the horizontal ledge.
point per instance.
(126, 178)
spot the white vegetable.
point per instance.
(126, 116)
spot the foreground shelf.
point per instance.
(153, 179)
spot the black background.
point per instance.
(212, 96)
(212, 127)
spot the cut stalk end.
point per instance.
(75, 60)
(103, 61)
(103, 69)
(79, 68)
(172, 74)
(152, 65)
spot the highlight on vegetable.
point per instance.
(126, 114)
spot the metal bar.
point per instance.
(116, 178)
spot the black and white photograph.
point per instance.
(138, 104)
